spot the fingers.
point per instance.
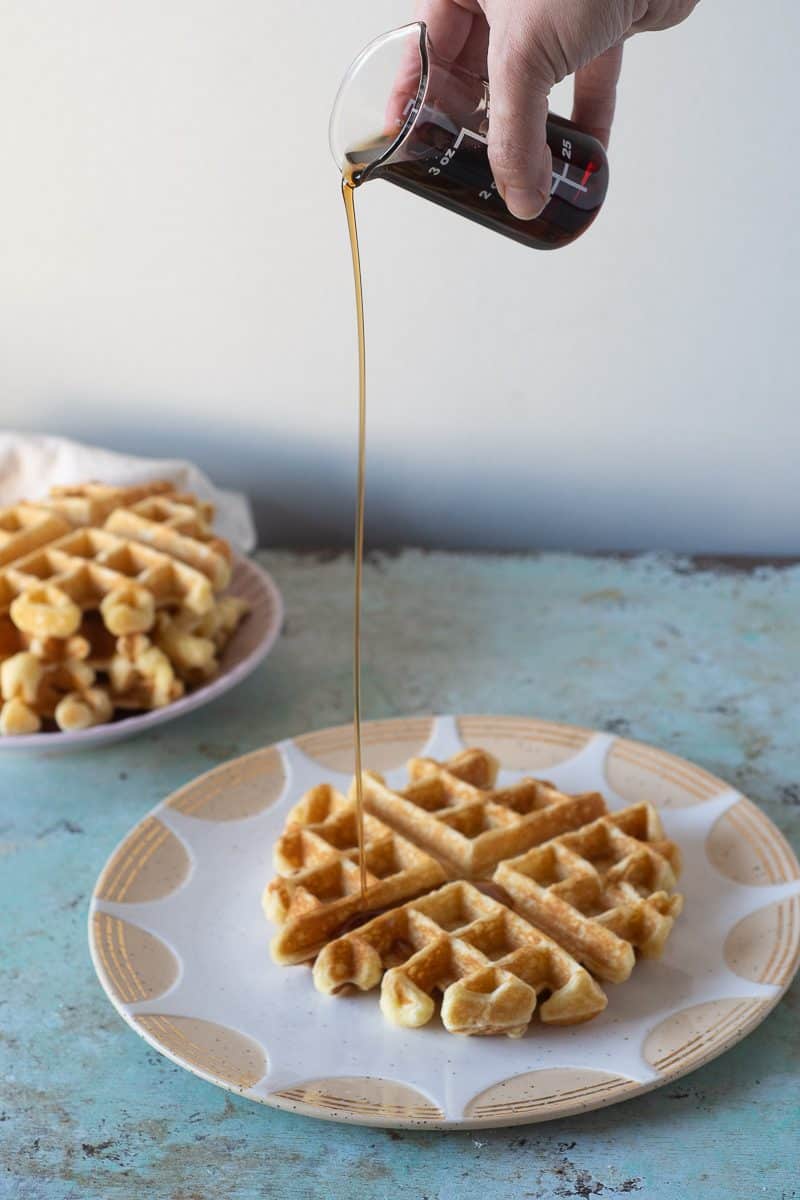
(404, 88)
(473, 56)
(449, 24)
(519, 83)
(450, 29)
(661, 14)
(596, 94)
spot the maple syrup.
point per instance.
(349, 197)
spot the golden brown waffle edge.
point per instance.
(579, 893)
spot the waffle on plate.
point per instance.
(500, 901)
(111, 599)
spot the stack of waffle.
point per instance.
(503, 901)
(110, 599)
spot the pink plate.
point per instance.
(251, 643)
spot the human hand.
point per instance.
(528, 46)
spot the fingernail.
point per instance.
(523, 204)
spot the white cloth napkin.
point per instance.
(31, 463)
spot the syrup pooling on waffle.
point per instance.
(602, 891)
(580, 902)
(135, 603)
(455, 811)
(488, 963)
(318, 888)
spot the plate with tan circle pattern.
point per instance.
(179, 941)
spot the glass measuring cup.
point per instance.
(405, 115)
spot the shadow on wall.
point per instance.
(441, 496)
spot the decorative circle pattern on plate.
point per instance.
(179, 940)
(250, 644)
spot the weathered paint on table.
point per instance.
(704, 664)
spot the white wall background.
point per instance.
(174, 279)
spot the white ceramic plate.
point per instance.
(179, 940)
(250, 644)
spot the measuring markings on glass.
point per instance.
(563, 177)
(410, 106)
(559, 177)
(470, 133)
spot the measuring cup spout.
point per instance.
(378, 99)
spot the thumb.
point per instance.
(518, 152)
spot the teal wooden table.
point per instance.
(703, 662)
